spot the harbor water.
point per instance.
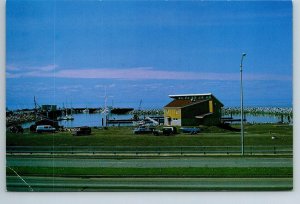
(95, 119)
(268, 118)
(91, 120)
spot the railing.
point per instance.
(150, 150)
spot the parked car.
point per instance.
(165, 131)
(44, 128)
(16, 129)
(191, 130)
(84, 130)
(143, 130)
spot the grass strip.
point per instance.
(258, 134)
(148, 189)
(95, 156)
(219, 172)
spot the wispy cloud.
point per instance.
(101, 86)
(13, 71)
(46, 68)
(12, 75)
(73, 88)
(139, 73)
(12, 68)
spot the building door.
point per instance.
(169, 121)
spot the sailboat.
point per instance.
(86, 110)
(69, 117)
(66, 116)
(106, 110)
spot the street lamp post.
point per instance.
(242, 105)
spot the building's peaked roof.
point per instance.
(195, 95)
(179, 103)
(180, 95)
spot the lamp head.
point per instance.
(244, 54)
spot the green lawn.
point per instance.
(204, 172)
(255, 135)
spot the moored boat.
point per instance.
(120, 110)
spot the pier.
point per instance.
(120, 121)
(159, 119)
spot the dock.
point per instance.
(159, 119)
(230, 119)
(122, 121)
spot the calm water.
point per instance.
(263, 118)
(91, 120)
(95, 119)
(84, 119)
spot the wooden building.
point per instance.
(193, 110)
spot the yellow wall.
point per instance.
(211, 106)
(172, 112)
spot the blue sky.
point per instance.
(69, 51)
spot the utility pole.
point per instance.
(242, 105)
(35, 110)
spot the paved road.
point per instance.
(15, 161)
(145, 184)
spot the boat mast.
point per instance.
(140, 105)
(106, 109)
(35, 110)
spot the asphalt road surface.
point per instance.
(16, 161)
